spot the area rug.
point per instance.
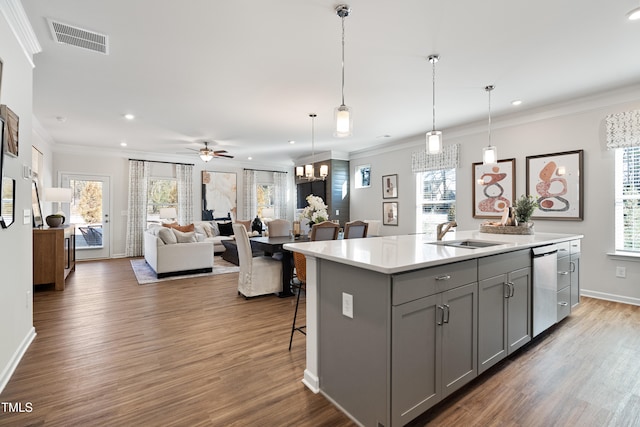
(145, 275)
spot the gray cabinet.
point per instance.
(434, 337)
(568, 277)
(504, 306)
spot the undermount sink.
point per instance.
(470, 244)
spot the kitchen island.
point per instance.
(395, 324)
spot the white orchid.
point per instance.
(316, 211)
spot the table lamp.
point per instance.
(168, 213)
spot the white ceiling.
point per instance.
(246, 73)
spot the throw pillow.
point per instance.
(226, 228)
(183, 228)
(167, 236)
(215, 231)
(189, 237)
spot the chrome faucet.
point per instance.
(444, 228)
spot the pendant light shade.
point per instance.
(434, 137)
(343, 114)
(299, 171)
(309, 170)
(489, 153)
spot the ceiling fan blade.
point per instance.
(220, 151)
(223, 155)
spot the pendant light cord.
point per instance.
(433, 109)
(343, 60)
(489, 89)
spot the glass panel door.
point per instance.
(89, 212)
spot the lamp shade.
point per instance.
(324, 171)
(268, 213)
(57, 194)
(434, 142)
(344, 121)
(299, 171)
(489, 155)
(168, 213)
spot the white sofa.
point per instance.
(171, 252)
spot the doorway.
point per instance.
(89, 212)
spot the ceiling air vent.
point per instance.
(79, 37)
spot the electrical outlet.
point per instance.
(621, 272)
(337, 211)
(347, 305)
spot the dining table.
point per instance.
(274, 245)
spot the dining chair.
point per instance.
(325, 230)
(374, 227)
(279, 228)
(299, 282)
(355, 229)
(259, 275)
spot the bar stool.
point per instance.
(299, 282)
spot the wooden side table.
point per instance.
(54, 255)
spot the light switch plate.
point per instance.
(347, 305)
(26, 216)
(621, 272)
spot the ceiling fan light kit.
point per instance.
(206, 153)
(342, 114)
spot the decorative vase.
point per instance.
(54, 221)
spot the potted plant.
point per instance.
(55, 220)
(525, 206)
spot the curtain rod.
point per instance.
(169, 163)
(262, 170)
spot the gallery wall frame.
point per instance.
(494, 188)
(362, 176)
(11, 127)
(390, 186)
(557, 181)
(8, 202)
(389, 213)
(36, 209)
(219, 195)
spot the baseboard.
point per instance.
(610, 297)
(8, 371)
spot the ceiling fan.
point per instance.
(207, 153)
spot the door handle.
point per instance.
(507, 289)
(563, 273)
(441, 312)
(512, 287)
(447, 311)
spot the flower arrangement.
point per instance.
(525, 206)
(316, 211)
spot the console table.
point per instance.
(54, 255)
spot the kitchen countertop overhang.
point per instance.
(397, 254)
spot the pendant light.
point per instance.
(434, 137)
(342, 113)
(309, 170)
(489, 153)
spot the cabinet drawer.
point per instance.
(575, 246)
(564, 272)
(563, 249)
(494, 265)
(564, 303)
(421, 283)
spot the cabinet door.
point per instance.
(415, 358)
(459, 337)
(492, 312)
(575, 279)
(519, 327)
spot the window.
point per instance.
(627, 216)
(265, 194)
(162, 193)
(436, 197)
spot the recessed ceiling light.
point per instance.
(384, 136)
(516, 102)
(634, 15)
(123, 144)
(61, 119)
(249, 158)
(129, 116)
(291, 141)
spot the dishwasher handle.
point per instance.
(547, 250)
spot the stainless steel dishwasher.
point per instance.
(545, 287)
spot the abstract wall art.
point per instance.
(494, 188)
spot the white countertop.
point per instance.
(395, 254)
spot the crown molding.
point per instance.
(17, 19)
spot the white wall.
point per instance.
(566, 127)
(16, 310)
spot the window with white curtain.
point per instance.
(436, 199)
(627, 200)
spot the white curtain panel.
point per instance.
(281, 196)
(250, 196)
(623, 129)
(184, 175)
(448, 158)
(137, 211)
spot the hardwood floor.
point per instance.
(191, 352)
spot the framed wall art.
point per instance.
(494, 188)
(389, 186)
(219, 195)
(390, 213)
(8, 202)
(11, 125)
(363, 176)
(556, 180)
(35, 206)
